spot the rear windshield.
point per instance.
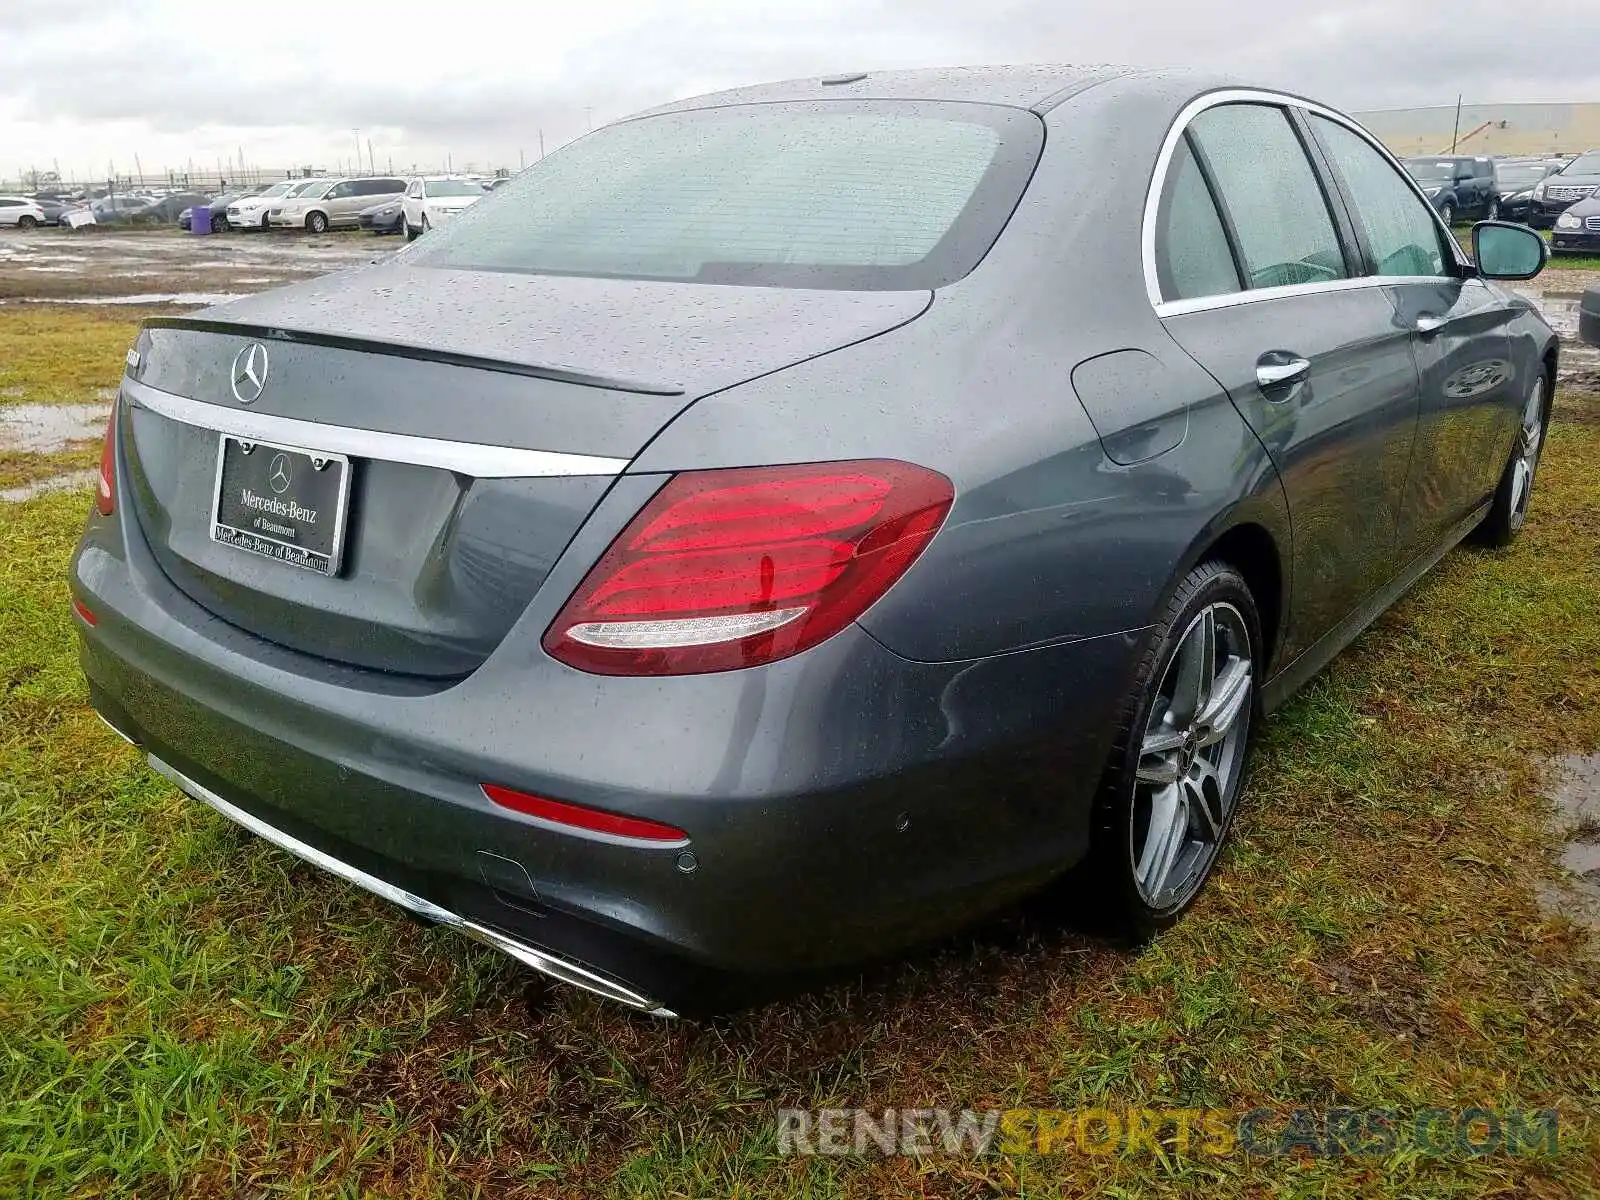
(849, 194)
(1519, 174)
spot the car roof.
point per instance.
(1039, 87)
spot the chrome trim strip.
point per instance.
(477, 459)
(1158, 183)
(540, 960)
(113, 728)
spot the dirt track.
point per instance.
(94, 266)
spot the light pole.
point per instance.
(357, 134)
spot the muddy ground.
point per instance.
(92, 266)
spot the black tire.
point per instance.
(26, 222)
(266, 223)
(425, 225)
(1447, 211)
(317, 222)
(411, 234)
(219, 224)
(1106, 887)
(1508, 512)
(1491, 210)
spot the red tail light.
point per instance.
(736, 568)
(106, 494)
(581, 816)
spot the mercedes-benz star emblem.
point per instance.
(249, 373)
(279, 477)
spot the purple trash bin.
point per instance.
(200, 219)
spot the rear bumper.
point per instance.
(840, 805)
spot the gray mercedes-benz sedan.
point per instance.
(784, 526)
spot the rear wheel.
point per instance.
(317, 222)
(1491, 211)
(411, 234)
(424, 222)
(1509, 510)
(1168, 797)
(27, 222)
(1447, 210)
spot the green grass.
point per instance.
(54, 354)
(186, 1011)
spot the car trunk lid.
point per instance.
(482, 417)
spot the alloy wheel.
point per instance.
(1191, 758)
(1530, 441)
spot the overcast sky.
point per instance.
(286, 81)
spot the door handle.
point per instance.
(1278, 368)
(1428, 326)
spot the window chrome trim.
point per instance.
(1158, 183)
(478, 459)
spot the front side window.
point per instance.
(1269, 190)
(857, 195)
(1192, 254)
(1400, 228)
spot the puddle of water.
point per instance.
(71, 481)
(1575, 791)
(43, 428)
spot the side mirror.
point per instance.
(1506, 251)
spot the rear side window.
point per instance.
(1268, 189)
(1192, 254)
(1400, 229)
(841, 194)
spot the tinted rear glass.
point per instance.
(848, 194)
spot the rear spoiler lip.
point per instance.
(336, 341)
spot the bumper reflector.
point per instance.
(582, 817)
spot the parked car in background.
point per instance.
(433, 199)
(815, 568)
(385, 217)
(1577, 230)
(52, 207)
(1458, 186)
(251, 212)
(1515, 179)
(164, 210)
(218, 205)
(1576, 181)
(109, 210)
(22, 212)
(336, 204)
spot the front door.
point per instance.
(1456, 329)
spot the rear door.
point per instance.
(1456, 326)
(1310, 353)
